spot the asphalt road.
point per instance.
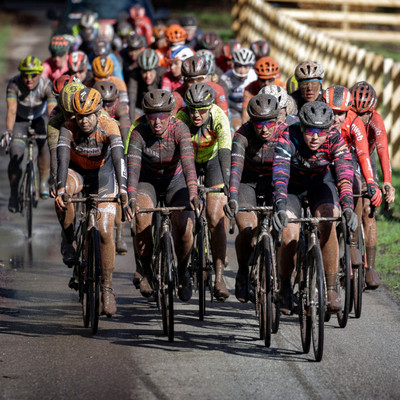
(46, 353)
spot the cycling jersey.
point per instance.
(220, 98)
(31, 103)
(353, 132)
(160, 160)
(170, 82)
(377, 138)
(99, 152)
(252, 157)
(119, 83)
(236, 88)
(120, 112)
(51, 71)
(298, 98)
(296, 167)
(53, 133)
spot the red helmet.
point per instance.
(364, 96)
(338, 98)
(175, 34)
(77, 61)
(266, 68)
(60, 82)
(229, 47)
(260, 48)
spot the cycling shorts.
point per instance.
(212, 173)
(248, 193)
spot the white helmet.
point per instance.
(279, 92)
(244, 56)
(180, 53)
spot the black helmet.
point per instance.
(107, 89)
(263, 107)
(148, 59)
(194, 66)
(316, 114)
(101, 48)
(135, 41)
(200, 95)
(188, 20)
(260, 48)
(158, 101)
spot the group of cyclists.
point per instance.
(139, 111)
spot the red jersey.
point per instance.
(51, 71)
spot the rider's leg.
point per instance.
(43, 157)
(355, 255)
(17, 150)
(216, 223)
(371, 277)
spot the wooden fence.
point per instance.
(292, 42)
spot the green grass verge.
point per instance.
(388, 252)
(5, 29)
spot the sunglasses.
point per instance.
(162, 116)
(310, 83)
(201, 111)
(29, 76)
(268, 124)
(312, 131)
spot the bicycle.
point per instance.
(264, 275)
(164, 274)
(311, 294)
(88, 268)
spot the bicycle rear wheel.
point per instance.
(201, 271)
(317, 300)
(304, 310)
(344, 278)
(275, 306)
(168, 287)
(28, 198)
(358, 277)
(93, 278)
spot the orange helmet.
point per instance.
(159, 31)
(103, 67)
(87, 101)
(175, 34)
(60, 82)
(266, 68)
(338, 98)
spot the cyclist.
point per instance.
(251, 169)
(211, 41)
(292, 85)
(160, 41)
(91, 159)
(260, 48)
(57, 64)
(28, 95)
(78, 66)
(365, 100)
(103, 48)
(130, 54)
(194, 70)
(193, 32)
(302, 167)
(145, 77)
(352, 129)
(141, 23)
(86, 30)
(173, 78)
(225, 60)
(309, 75)
(214, 72)
(211, 136)
(267, 71)
(236, 79)
(161, 160)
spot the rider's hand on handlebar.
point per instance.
(62, 199)
(231, 208)
(351, 219)
(389, 191)
(6, 139)
(131, 209)
(374, 194)
(279, 220)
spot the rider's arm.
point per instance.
(239, 146)
(12, 105)
(134, 159)
(122, 116)
(63, 157)
(49, 97)
(246, 98)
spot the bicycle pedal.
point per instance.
(73, 284)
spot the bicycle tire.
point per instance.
(93, 278)
(167, 288)
(266, 291)
(275, 308)
(344, 277)
(201, 271)
(28, 198)
(317, 300)
(358, 277)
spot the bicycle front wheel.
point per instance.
(317, 300)
(29, 197)
(358, 276)
(168, 287)
(201, 270)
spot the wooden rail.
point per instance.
(292, 42)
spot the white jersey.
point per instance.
(236, 88)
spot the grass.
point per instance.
(5, 29)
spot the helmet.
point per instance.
(77, 61)
(59, 46)
(159, 31)
(278, 92)
(60, 82)
(199, 95)
(124, 28)
(291, 108)
(210, 59)
(195, 66)
(309, 70)
(101, 48)
(157, 101)
(31, 65)
(135, 41)
(229, 47)
(137, 12)
(292, 85)
(210, 40)
(88, 35)
(266, 68)
(181, 53)
(148, 59)
(103, 66)
(66, 95)
(263, 107)
(175, 34)
(364, 97)
(87, 101)
(107, 89)
(205, 53)
(260, 48)
(88, 19)
(188, 20)
(316, 114)
(106, 32)
(244, 56)
(338, 98)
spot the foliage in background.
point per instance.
(5, 28)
